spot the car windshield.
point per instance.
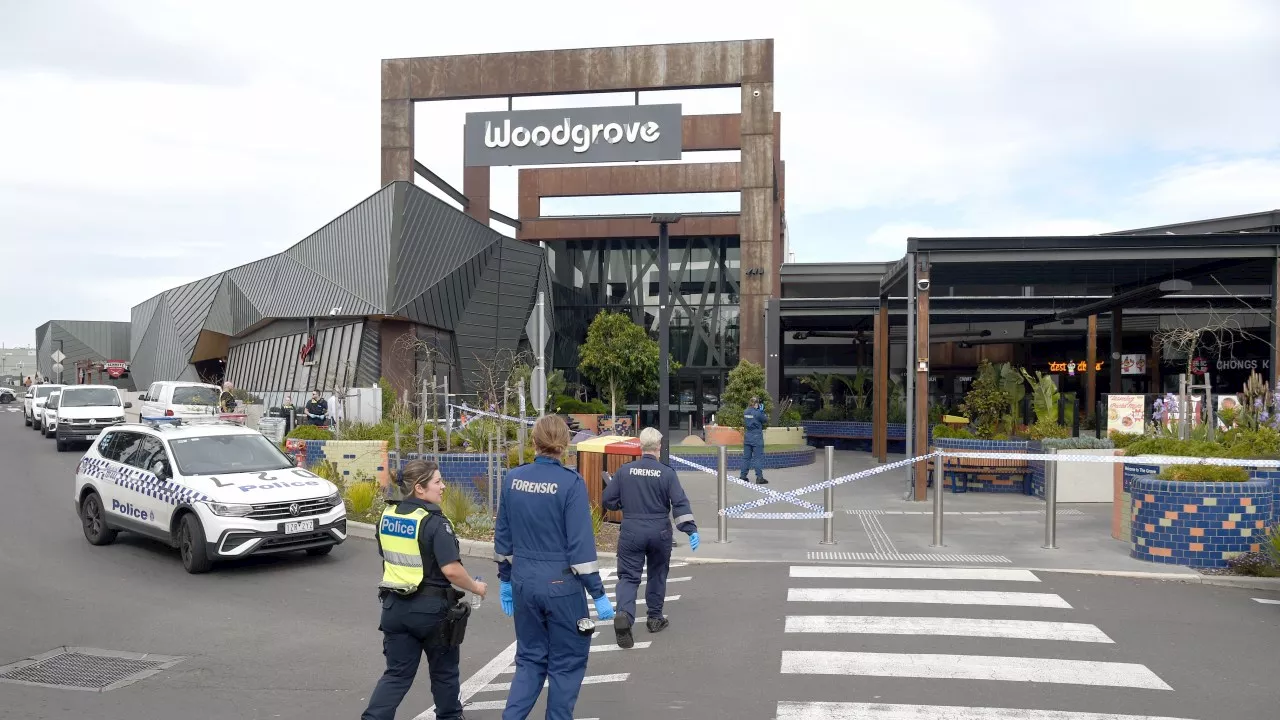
(218, 454)
(43, 392)
(90, 397)
(195, 396)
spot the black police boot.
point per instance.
(657, 624)
(622, 629)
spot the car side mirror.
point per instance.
(143, 398)
(128, 405)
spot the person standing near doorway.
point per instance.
(753, 422)
(317, 409)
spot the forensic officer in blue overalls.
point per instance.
(753, 422)
(649, 494)
(546, 554)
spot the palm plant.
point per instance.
(824, 384)
(857, 386)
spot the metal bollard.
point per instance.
(722, 496)
(829, 500)
(938, 462)
(1051, 502)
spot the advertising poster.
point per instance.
(1133, 364)
(1126, 413)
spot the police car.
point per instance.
(213, 489)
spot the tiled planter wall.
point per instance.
(999, 476)
(1198, 524)
(848, 434)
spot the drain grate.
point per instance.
(76, 668)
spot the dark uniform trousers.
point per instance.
(644, 540)
(410, 626)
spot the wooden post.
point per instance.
(922, 383)
(1091, 379)
(1154, 364)
(1117, 347)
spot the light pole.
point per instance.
(664, 330)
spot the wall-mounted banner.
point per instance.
(1126, 414)
(619, 133)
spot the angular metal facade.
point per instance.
(80, 341)
(402, 254)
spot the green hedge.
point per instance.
(1078, 443)
(572, 406)
(1204, 473)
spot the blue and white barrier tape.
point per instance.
(1112, 459)
(771, 495)
(792, 495)
(473, 411)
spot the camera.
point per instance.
(923, 284)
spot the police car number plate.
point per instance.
(300, 526)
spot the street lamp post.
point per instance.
(664, 331)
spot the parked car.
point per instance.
(179, 399)
(33, 405)
(49, 413)
(84, 411)
(7, 395)
(212, 489)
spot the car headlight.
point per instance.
(230, 509)
(334, 500)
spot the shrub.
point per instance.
(597, 518)
(566, 405)
(790, 417)
(1259, 564)
(1078, 443)
(361, 496)
(457, 504)
(309, 432)
(1123, 440)
(328, 471)
(826, 414)
(514, 457)
(1263, 442)
(1204, 473)
(745, 382)
(388, 397)
(952, 433)
(986, 401)
(1048, 429)
(1175, 447)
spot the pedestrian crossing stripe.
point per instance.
(1041, 511)
(588, 680)
(927, 597)
(906, 557)
(1265, 601)
(850, 572)
(971, 667)
(877, 711)
(946, 626)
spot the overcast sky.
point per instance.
(145, 144)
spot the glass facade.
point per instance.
(622, 275)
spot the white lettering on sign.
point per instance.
(646, 472)
(536, 488)
(1234, 364)
(582, 136)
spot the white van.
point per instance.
(180, 399)
(84, 411)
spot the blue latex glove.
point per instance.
(604, 608)
(693, 541)
(508, 601)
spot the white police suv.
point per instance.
(213, 489)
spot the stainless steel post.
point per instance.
(448, 413)
(722, 495)
(938, 470)
(1051, 502)
(829, 500)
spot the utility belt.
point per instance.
(453, 629)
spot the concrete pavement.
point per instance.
(874, 523)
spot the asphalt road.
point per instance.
(296, 637)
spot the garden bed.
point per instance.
(1197, 524)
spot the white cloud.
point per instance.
(1218, 188)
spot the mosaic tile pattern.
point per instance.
(994, 476)
(1198, 524)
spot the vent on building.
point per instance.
(76, 668)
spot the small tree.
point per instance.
(618, 356)
(745, 382)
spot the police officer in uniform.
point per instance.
(420, 560)
(546, 556)
(648, 493)
(753, 422)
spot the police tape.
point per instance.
(473, 411)
(791, 496)
(1110, 459)
(767, 492)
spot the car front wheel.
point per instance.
(26, 419)
(94, 521)
(195, 554)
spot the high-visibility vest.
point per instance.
(401, 556)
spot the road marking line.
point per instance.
(956, 627)
(588, 680)
(612, 584)
(971, 667)
(477, 682)
(870, 711)
(910, 573)
(900, 557)
(639, 601)
(928, 597)
(1265, 601)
